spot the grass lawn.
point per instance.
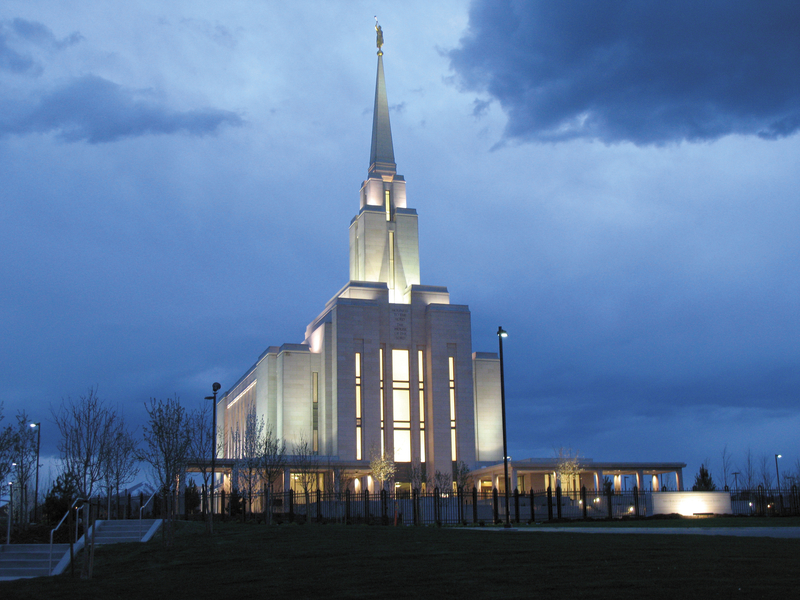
(333, 561)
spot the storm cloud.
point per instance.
(96, 110)
(643, 71)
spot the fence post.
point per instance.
(414, 506)
(583, 500)
(636, 500)
(549, 503)
(384, 511)
(558, 501)
(610, 499)
(533, 507)
(516, 505)
(474, 505)
(290, 495)
(366, 506)
(347, 506)
(319, 505)
(761, 501)
(437, 506)
(495, 506)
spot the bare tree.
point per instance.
(725, 471)
(462, 476)
(381, 467)
(748, 471)
(249, 442)
(202, 446)
(306, 466)
(6, 445)
(765, 471)
(273, 464)
(122, 461)
(443, 481)
(86, 426)
(419, 477)
(167, 439)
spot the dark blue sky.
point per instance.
(615, 183)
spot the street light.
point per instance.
(38, 427)
(736, 479)
(215, 387)
(501, 333)
(9, 510)
(777, 456)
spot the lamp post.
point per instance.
(736, 479)
(501, 333)
(777, 456)
(10, 510)
(38, 427)
(215, 387)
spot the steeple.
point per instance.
(384, 244)
(381, 155)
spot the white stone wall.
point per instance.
(488, 409)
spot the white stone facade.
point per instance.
(388, 365)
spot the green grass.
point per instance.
(331, 561)
(681, 522)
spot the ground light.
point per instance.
(501, 333)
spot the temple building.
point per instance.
(388, 368)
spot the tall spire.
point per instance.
(381, 156)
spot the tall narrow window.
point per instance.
(388, 202)
(401, 405)
(359, 435)
(315, 409)
(452, 369)
(421, 377)
(391, 268)
(383, 396)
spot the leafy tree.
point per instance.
(60, 497)
(381, 467)
(191, 497)
(568, 468)
(703, 482)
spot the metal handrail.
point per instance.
(140, 512)
(61, 522)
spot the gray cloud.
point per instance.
(97, 110)
(17, 36)
(644, 71)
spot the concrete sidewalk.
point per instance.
(773, 532)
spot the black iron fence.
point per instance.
(469, 506)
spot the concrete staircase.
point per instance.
(18, 561)
(113, 532)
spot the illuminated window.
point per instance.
(382, 400)
(359, 436)
(452, 370)
(401, 405)
(388, 203)
(421, 377)
(315, 409)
